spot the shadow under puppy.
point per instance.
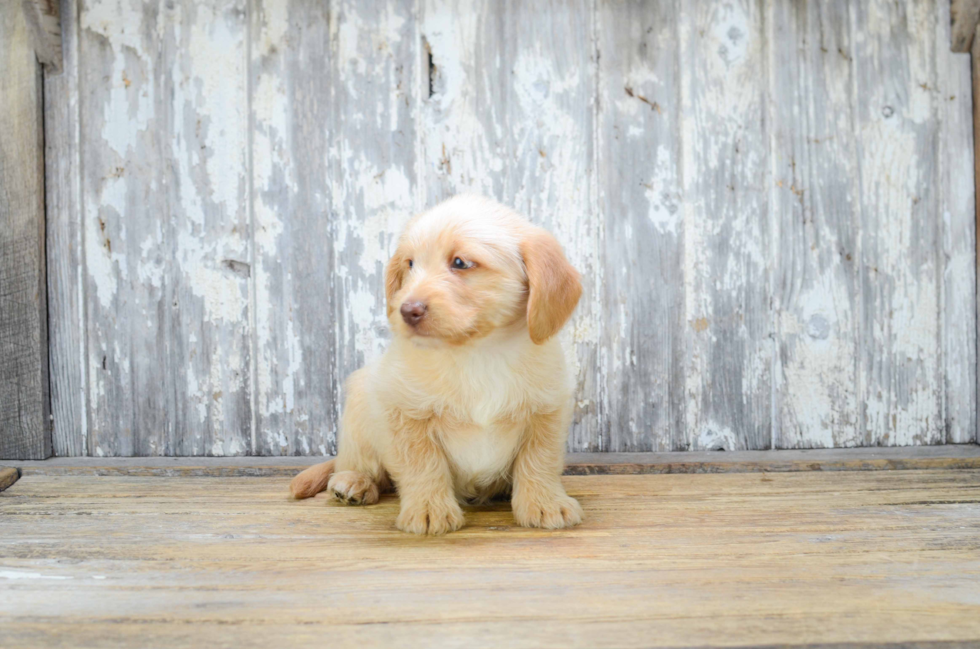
(473, 399)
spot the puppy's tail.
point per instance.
(312, 480)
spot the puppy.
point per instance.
(472, 400)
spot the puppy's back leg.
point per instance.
(312, 480)
(356, 476)
(360, 478)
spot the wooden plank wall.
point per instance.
(25, 431)
(66, 269)
(771, 203)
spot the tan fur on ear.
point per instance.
(553, 285)
(394, 274)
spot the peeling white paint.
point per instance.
(663, 194)
(17, 574)
(718, 437)
(216, 85)
(514, 116)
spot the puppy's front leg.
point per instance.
(539, 499)
(424, 481)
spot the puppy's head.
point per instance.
(470, 266)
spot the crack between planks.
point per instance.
(250, 209)
(601, 405)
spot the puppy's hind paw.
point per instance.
(353, 488)
(550, 512)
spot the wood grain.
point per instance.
(164, 108)
(900, 246)
(949, 456)
(645, 334)
(864, 559)
(770, 202)
(964, 17)
(727, 230)
(44, 19)
(334, 91)
(817, 297)
(954, 107)
(975, 79)
(8, 476)
(65, 272)
(209, 332)
(294, 341)
(510, 114)
(25, 432)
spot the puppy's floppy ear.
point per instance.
(553, 285)
(394, 274)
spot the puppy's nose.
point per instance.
(413, 312)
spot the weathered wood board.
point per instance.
(879, 458)
(645, 359)
(164, 183)
(954, 108)
(809, 560)
(66, 266)
(44, 21)
(510, 113)
(771, 203)
(964, 17)
(334, 95)
(817, 297)
(975, 58)
(25, 431)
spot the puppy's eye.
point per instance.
(459, 264)
(410, 263)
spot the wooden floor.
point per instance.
(751, 559)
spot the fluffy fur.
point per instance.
(473, 401)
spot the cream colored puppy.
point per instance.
(473, 399)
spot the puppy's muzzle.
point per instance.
(413, 312)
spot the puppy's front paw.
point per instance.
(430, 518)
(353, 488)
(550, 511)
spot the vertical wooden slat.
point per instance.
(208, 156)
(901, 380)
(66, 333)
(333, 96)
(125, 228)
(816, 293)
(726, 212)
(166, 232)
(25, 432)
(975, 74)
(640, 200)
(374, 109)
(511, 115)
(43, 18)
(295, 371)
(964, 16)
(953, 104)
